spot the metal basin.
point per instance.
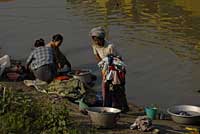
(84, 75)
(104, 117)
(185, 114)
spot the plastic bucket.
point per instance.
(151, 112)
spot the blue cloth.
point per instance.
(40, 56)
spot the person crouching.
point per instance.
(41, 62)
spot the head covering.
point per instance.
(97, 32)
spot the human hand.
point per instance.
(59, 66)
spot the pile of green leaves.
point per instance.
(20, 113)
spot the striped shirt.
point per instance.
(40, 56)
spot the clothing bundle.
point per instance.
(113, 82)
(142, 123)
(113, 70)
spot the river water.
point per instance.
(159, 39)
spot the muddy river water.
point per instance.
(159, 40)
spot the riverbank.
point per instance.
(79, 123)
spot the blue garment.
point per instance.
(40, 56)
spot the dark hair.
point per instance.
(57, 37)
(100, 38)
(39, 43)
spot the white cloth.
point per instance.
(103, 64)
(142, 123)
(4, 62)
(112, 75)
(105, 50)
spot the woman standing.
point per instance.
(113, 88)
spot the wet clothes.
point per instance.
(113, 83)
(73, 89)
(142, 123)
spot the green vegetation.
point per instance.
(23, 114)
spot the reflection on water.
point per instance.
(150, 33)
(174, 24)
(190, 5)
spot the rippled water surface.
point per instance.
(159, 39)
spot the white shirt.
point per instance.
(105, 50)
